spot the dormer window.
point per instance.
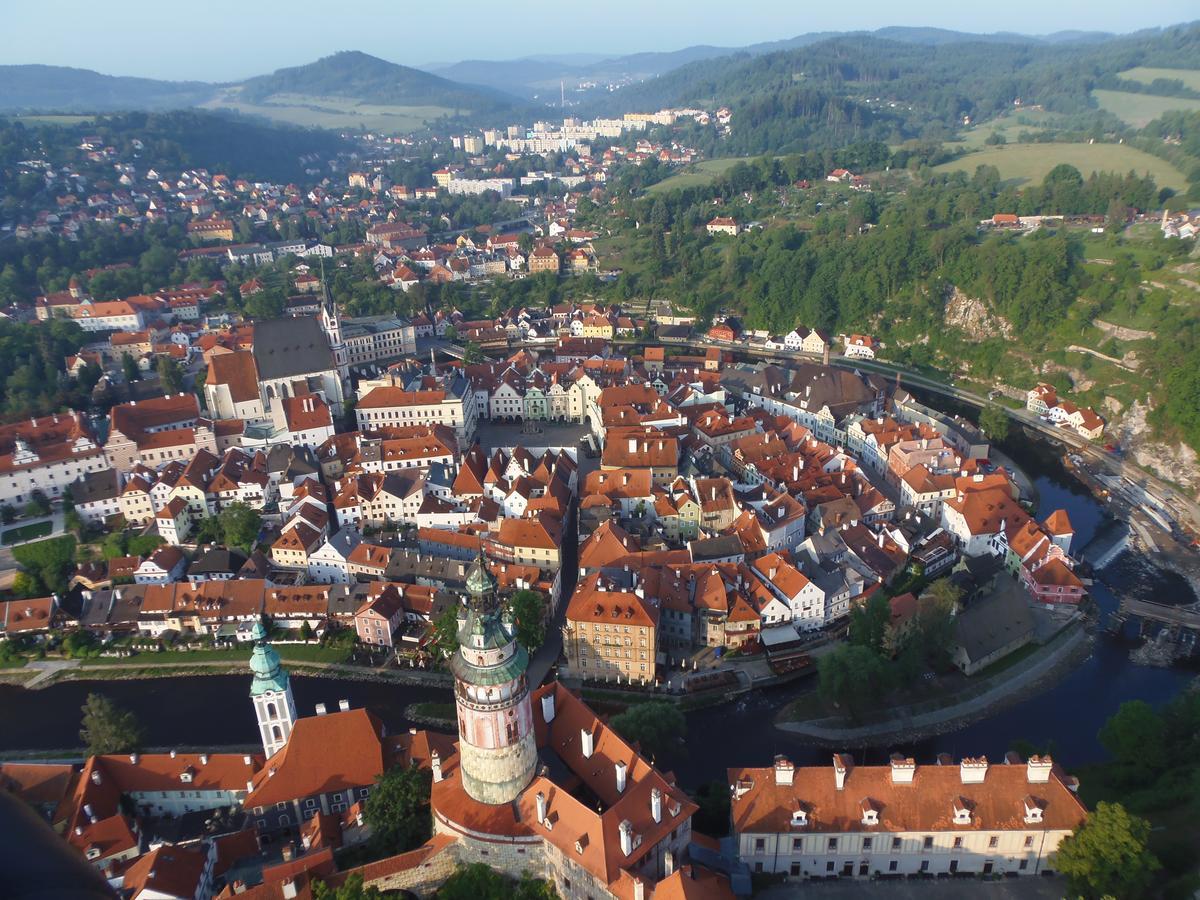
(1033, 810)
(962, 812)
(870, 812)
(799, 818)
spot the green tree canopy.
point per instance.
(1134, 736)
(528, 611)
(443, 634)
(170, 374)
(655, 725)
(869, 622)
(479, 882)
(1109, 856)
(851, 676)
(351, 889)
(398, 810)
(107, 728)
(995, 423)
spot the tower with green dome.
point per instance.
(496, 744)
(271, 692)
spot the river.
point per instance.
(215, 710)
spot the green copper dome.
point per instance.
(481, 583)
(269, 674)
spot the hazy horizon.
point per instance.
(138, 38)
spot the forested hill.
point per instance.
(182, 139)
(859, 87)
(82, 90)
(372, 80)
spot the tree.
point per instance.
(995, 423)
(472, 353)
(528, 611)
(443, 635)
(38, 505)
(240, 525)
(8, 513)
(1134, 737)
(850, 676)
(480, 882)
(306, 632)
(655, 725)
(129, 366)
(398, 810)
(170, 374)
(1108, 855)
(107, 728)
(351, 889)
(869, 622)
(27, 584)
(49, 560)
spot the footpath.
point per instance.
(50, 671)
(903, 721)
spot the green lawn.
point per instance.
(37, 119)
(697, 174)
(1027, 163)
(297, 652)
(334, 112)
(26, 532)
(1147, 75)
(1139, 110)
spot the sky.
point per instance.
(227, 40)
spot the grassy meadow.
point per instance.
(334, 112)
(1139, 110)
(1029, 163)
(697, 174)
(1147, 75)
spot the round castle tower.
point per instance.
(497, 749)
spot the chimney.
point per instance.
(246, 760)
(973, 770)
(784, 770)
(435, 763)
(903, 769)
(620, 768)
(633, 445)
(1037, 770)
(587, 742)
(656, 804)
(626, 830)
(548, 707)
(133, 758)
(639, 889)
(668, 864)
(204, 759)
(541, 807)
(289, 888)
(321, 709)
(174, 753)
(841, 767)
(344, 705)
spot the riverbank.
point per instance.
(132, 670)
(907, 724)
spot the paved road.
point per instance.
(1010, 683)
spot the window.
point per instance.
(958, 843)
(760, 845)
(928, 843)
(867, 843)
(993, 841)
(924, 865)
(797, 844)
(833, 843)
(895, 843)
(829, 866)
(1023, 865)
(893, 865)
(310, 803)
(1029, 840)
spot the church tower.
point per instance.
(331, 324)
(496, 744)
(272, 694)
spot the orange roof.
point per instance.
(596, 600)
(384, 397)
(760, 805)
(237, 371)
(302, 768)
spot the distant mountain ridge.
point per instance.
(66, 89)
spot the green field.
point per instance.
(1146, 75)
(1030, 162)
(334, 112)
(1010, 126)
(697, 174)
(55, 120)
(27, 532)
(1139, 110)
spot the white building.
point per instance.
(901, 819)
